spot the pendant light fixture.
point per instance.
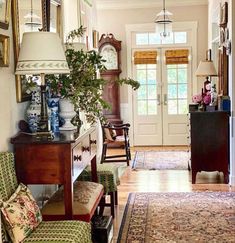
(163, 22)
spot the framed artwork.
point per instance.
(27, 15)
(224, 15)
(4, 50)
(53, 16)
(4, 13)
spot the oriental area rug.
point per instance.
(161, 160)
(179, 217)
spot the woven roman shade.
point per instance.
(145, 57)
(179, 56)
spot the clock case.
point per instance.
(111, 92)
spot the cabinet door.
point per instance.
(210, 142)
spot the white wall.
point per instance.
(214, 5)
(10, 111)
(114, 21)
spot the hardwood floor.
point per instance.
(162, 181)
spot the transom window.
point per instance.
(151, 38)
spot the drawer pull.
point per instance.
(85, 149)
(77, 157)
(92, 141)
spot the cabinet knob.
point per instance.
(77, 157)
(92, 141)
(85, 149)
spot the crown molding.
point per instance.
(132, 4)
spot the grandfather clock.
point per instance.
(109, 49)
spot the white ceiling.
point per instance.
(125, 4)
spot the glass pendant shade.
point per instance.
(163, 22)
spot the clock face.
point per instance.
(109, 54)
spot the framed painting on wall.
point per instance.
(4, 50)
(27, 15)
(4, 13)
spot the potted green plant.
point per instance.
(83, 87)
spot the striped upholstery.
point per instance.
(8, 182)
(46, 232)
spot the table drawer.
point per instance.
(78, 163)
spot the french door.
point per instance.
(161, 103)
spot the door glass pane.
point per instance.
(142, 107)
(141, 76)
(182, 107)
(172, 107)
(152, 77)
(141, 66)
(177, 88)
(142, 39)
(172, 91)
(152, 107)
(182, 75)
(152, 91)
(171, 75)
(147, 93)
(142, 92)
(151, 66)
(182, 91)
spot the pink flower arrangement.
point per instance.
(197, 98)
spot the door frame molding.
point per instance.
(177, 26)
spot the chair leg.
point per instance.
(112, 203)
(102, 205)
(103, 158)
(116, 197)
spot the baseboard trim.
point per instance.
(232, 180)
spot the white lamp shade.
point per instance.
(41, 53)
(206, 68)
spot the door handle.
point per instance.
(158, 99)
(165, 99)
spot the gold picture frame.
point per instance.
(19, 13)
(5, 13)
(4, 50)
(223, 15)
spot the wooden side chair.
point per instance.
(52, 231)
(116, 135)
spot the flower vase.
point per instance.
(67, 113)
(33, 111)
(53, 104)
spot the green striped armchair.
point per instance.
(69, 231)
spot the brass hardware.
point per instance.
(92, 141)
(77, 157)
(165, 99)
(85, 149)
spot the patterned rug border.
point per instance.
(170, 150)
(132, 197)
(124, 218)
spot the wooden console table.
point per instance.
(209, 142)
(58, 161)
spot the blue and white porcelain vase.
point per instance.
(34, 110)
(53, 104)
